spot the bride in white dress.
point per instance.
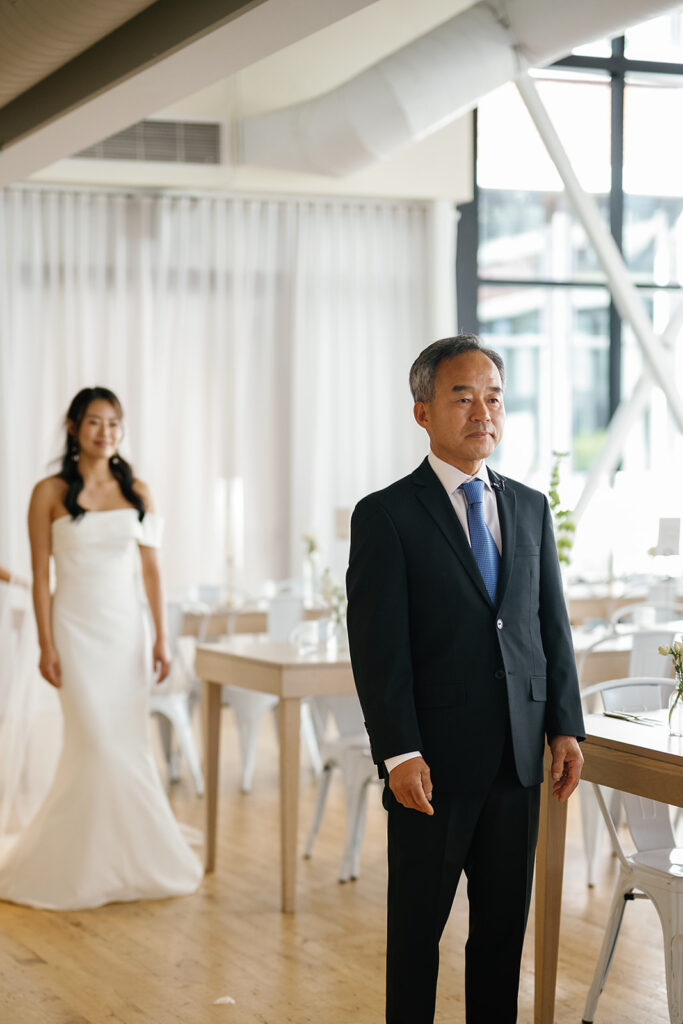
(105, 831)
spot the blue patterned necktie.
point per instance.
(483, 545)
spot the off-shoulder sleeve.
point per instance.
(150, 530)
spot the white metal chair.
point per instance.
(646, 614)
(655, 872)
(172, 703)
(645, 693)
(644, 658)
(349, 751)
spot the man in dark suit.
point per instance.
(462, 655)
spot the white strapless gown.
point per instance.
(105, 831)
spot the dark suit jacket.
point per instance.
(438, 668)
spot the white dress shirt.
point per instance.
(451, 478)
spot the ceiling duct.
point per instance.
(429, 82)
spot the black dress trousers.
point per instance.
(491, 835)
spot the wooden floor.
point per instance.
(167, 962)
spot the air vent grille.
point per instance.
(182, 142)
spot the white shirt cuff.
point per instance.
(394, 762)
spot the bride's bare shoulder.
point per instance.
(49, 493)
(142, 489)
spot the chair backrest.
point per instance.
(285, 612)
(649, 821)
(645, 658)
(346, 713)
(606, 640)
(632, 694)
(647, 613)
(174, 614)
(220, 595)
(663, 591)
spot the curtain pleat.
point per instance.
(260, 338)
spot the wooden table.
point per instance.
(255, 663)
(226, 621)
(634, 758)
(586, 601)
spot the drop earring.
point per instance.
(115, 460)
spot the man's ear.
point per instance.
(421, 414)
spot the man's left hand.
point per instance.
(566, 767)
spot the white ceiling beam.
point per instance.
(429, 82)
(165, 78)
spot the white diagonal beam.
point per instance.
(625, 416)
(623, 291)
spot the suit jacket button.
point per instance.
(499, 673)
(500, 623)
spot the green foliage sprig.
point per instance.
(565, 527)
(310, 543)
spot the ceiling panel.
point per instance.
(39, 36)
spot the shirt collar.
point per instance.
(451, 477)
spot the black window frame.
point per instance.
(468, 279)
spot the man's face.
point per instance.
(465, 418)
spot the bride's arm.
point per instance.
(151, 577)
(39, 523)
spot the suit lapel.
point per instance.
(431, 493)
(507, 513)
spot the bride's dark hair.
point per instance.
(70, 473)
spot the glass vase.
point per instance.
(675, 716)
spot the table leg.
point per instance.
(211, 706)
(289, 721)
(549, 868)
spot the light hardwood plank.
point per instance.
(165, 962)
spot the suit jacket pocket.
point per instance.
(538, 688)
(527, 549)
(441, 695)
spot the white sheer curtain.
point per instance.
(265, 339)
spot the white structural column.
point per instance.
(441, 237)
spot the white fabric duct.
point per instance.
(429, 82)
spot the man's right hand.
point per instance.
(411, 784)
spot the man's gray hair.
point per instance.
(423, 370)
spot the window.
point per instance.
(542, 296)
(549, 337)
(660, 39)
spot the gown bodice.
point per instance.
(100, 551)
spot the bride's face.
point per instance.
(100, 432)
